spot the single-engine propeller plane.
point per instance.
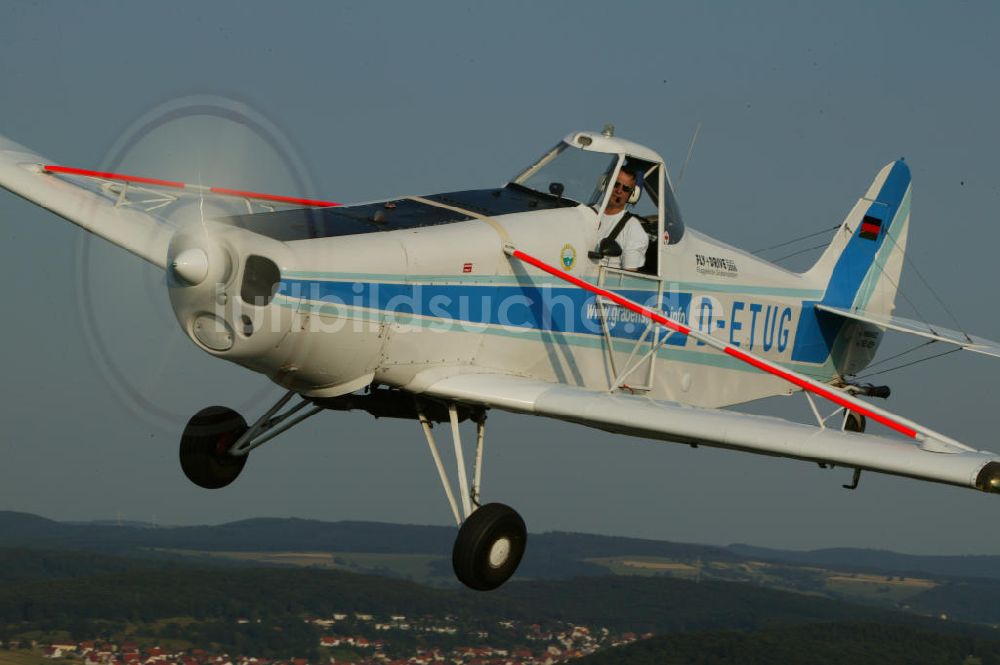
(438, 308)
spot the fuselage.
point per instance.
(401, 292)
(397, 306)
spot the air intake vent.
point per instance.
(260, 281)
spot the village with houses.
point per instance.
(369, 641)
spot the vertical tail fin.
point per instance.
(860, 271)
(862, 265)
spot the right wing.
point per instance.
(669, 421)
(22, 172)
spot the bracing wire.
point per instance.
(801, 251)
(914, 362)
(902, 293)
(795, 240)
(920, 275)
(901, 353)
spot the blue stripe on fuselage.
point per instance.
(755, 325)
(817, 330)
(556, 309)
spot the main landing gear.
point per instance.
(491, 538)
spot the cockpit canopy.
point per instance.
(582, 165)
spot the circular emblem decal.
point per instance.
(568, 256)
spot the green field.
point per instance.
(416, 567)
(877, 586)
(646, 566)
(803, 579)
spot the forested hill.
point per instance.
(86, 587)
(284, 534)
(550, 554)
(810, 644)
(963, 588)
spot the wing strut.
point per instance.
(890, 420)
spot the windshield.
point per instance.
(583, 174)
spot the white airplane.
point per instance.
(438, 308)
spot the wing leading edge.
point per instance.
(668, 421)
(22, 172)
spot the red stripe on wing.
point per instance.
(272, 197)
(69, 170)
(173, 184)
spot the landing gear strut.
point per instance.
(492, 537)
(217, 440)
(854, 422)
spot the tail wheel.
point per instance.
(205, 445)
(489, 547)
(854, 422)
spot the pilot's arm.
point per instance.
(634, 241)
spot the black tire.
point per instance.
(855, 422)
(489, 547)
(205, 445)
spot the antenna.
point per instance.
(680, 176)
(201, 202)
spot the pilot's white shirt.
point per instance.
(632, 238)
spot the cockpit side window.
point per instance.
(647, 209)
(673, 225)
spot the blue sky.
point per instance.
(800, 105)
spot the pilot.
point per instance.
(619, 224)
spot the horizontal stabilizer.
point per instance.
(936, 333)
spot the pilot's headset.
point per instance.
(637, 192)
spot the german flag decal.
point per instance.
(870, 227)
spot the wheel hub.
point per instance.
(499, 552)
(223, 443)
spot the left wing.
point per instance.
(670, 421)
